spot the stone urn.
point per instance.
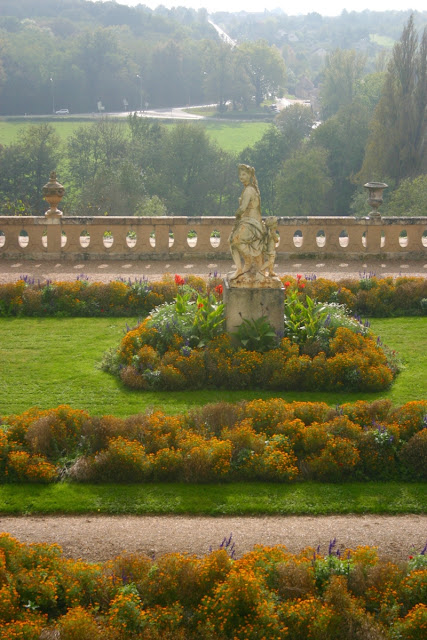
(375, 196)
(53, 192)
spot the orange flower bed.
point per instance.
(354, 363)
(267, 593)
(270, 440)
(371, 296)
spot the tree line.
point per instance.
(86, 56)
(373, 128)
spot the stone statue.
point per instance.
(269, 255)
(252, 242)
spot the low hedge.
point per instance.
(267, 593)
(258, 440)
(379, 297)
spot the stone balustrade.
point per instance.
(134, 238)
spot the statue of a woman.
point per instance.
(247, 238)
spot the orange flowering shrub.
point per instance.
(271, 439)
(241, 608)
(353, 362)
(122, 461)
(28, 627)
(414, 624)
(411, 417)
(371, 296)
(308, 618)
(205, 460)
(363, 412)
(126, 615)
(47, 431)
(336, 461)
(9, 603)
(79, 624)
(173, 578)
(278, 461)
(23, 467)
(267, 593)
(166, 464)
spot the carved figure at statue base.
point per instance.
(252, 242)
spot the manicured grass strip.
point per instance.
(259, 498)
(408, 336)
(50, 361)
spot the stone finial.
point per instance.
(53, 193)
(375, 196)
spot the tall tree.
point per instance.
(303, 184)
(267, 156)
(342, 71)
(409, 199)
(264, 66)
(396, 147)
(295, 123)
(191, 178)
(277, 144)
(344, 137)
(25, 168)
(219, 74)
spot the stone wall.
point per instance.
(133, 238)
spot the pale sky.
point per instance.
(324, 7)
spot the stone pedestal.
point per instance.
(252, 303)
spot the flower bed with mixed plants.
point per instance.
(268, 593)
(371, 296)
(270, 440)
(182, 345)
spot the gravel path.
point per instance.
(153, 270)
(99, 538)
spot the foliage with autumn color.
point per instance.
(338, 594)
(269, 440)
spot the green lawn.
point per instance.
(9, 130)
(249, 498)
(233, 137)
(50, 361)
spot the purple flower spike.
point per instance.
(332, 544)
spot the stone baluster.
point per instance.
(373, 235)
(203, 231)
(161, 229)
(180, 234)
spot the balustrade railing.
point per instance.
(134, 238)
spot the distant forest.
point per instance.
(80, 55)
(361, 81)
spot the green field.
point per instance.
(381, 41)
(9, 129)
(50, 361)
(233, 137)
